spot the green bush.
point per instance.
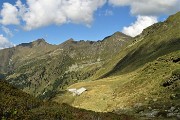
(176, 72)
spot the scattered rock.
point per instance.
(170, 114)
(141, 113)
(150, 114)
(176, 111)
(154, 113)
(172, 96)
(178, 117)
(138, 105)
(172, 108)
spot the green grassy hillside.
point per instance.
(42, 70)
(155, 86)
(143, 79)
(136, 76)
(17, 105)
(11, 58)
(155, 41)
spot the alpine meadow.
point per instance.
(120, 77)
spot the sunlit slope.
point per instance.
(145, 74)
(42, 69)
(157, 82)
(17, 105)
(157, 40)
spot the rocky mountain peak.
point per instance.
(38, 42)
(70, 40)
(118, 34)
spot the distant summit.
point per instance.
(38, 42)
(69, 41)
(118, 35)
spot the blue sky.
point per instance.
(23, 21)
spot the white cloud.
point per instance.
(45, 12)
(7, 31)
(141, 23)
(4, 43)
(39, 13)
(149, 7)
(144, 10)
(9, 14)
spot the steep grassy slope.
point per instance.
(11, 58)
(17, 105)
(143, 79)
(42, 69)
(157, 40)
(154, 87)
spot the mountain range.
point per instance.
(137, 76)
(39, 67)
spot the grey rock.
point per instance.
(170, 114)
(176, 111)
(152, 114)
(178, 116)
(138, 105)
(172, 108)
